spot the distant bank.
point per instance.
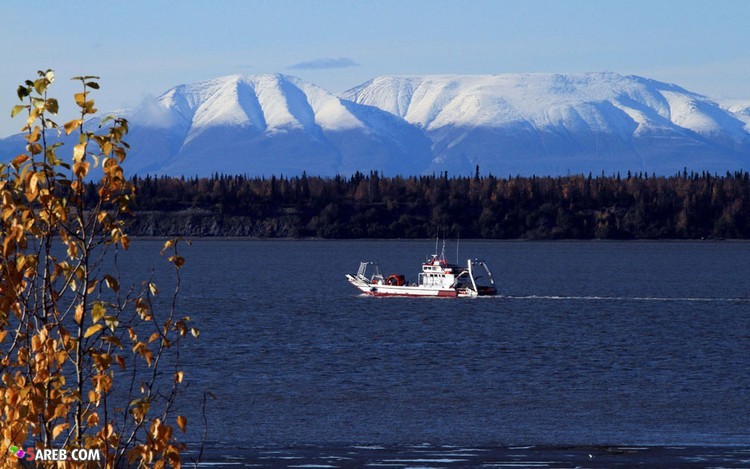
(619, 206)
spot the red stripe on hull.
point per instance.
(440, 294)
(449, 294)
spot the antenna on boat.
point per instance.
(437, 239)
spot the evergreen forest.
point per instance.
(633, 206)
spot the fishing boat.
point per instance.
(438, 278)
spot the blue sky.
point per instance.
(142, 48)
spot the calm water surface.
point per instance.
(590, 343)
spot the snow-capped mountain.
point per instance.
(269, 124)
(262, 125)
(506, 124)
(553, 124)
(741, 110)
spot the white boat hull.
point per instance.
(374, 289)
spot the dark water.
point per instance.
(589, 344)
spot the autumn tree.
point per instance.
(82, 354)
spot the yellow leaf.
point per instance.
(38, 103)
(182, 422)
(153, 337)
(178, 261)
(72, 125)
(52, 105)
(19, 160)
(112, 282)
(16, 109)
(79, 152)
(148, 355)
(112, 322)
(112, 340)
(125, 241)
(80, 98)
(40, 85)
(34, 113)
(93, 330)
(178, 377)
(79, 313)
(34, 148)
(167, 245)
(98, 311)
(59, 429)
(81, 169)
(60, 411)
(35, 135)
(34, 181)
(73, 250)
(152, 287)
(102, 360)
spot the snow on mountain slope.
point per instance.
(541, 99)
(741, 110)
(270, 124)
(577, 122)
(263, 102)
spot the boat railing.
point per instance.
(362, 272)
(486, 270)
(480, 270)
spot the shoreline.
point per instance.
(432, 240)
(434, 456)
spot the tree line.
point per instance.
(633, 206)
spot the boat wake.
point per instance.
(622, 298)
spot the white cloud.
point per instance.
(324, 63)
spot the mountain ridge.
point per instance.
(563, 122)
(532, 123)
